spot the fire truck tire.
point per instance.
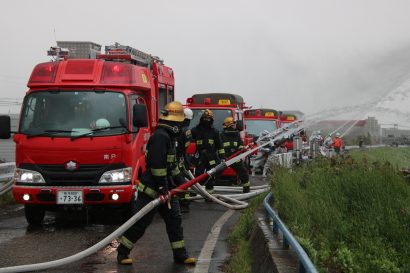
(34, 214)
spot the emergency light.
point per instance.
(224, 102)
(117, 73)
(44, 73)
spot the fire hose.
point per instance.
(160, 200)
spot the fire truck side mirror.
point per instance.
(5, 131)
(239, 125)
(139, 115)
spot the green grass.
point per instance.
(399, 157)
(6, 199)
(241, 259)
(349, 215)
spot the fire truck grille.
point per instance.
(85, 175)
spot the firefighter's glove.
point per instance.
(164, 195)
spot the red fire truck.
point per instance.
(258, 120)
(222, 105)
(84, 126)
(285, 119)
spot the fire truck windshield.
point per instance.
(219, 117)
(256, 126)
(71, 113)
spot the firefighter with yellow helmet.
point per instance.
(209, 149)
(161, 175)
(232, 143)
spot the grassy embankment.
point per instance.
(350, 215)
(240, 261)
(6, 198)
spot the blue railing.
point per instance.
(305, 264)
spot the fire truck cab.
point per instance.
(258, 120)
(222, 105)
(84, 125)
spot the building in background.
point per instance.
(368, 128)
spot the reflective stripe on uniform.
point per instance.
(247, 184)
(235, 143)
(187, 144)
(210, 141)
(221, 151)
(170, 158)
(125, 242)
(159, 172)
(226, 144)
(240, 147)
(175, 171)
(212, 162)
(199, 142)
(147, 190)
(177, 244)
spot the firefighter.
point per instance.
(232, 143)
(183, 142)
(209, 149)
(161, 175)
(337, 143)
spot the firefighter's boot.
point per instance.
(246, 187)
(123, 255)
(181, 257)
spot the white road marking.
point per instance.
(205, 257)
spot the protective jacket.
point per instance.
(183, 142)
(162, 167)
(231, 141)
(208, 144)
(337, 143)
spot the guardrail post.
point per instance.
(301, 268)
(275, 227)
(285, 243)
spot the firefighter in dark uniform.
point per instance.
(209, 148)
(161, 175)
(183, 142)
(232, 143)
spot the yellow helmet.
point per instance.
(228, 122)
(207, 114)
(173, 111)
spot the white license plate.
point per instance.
(69, 197)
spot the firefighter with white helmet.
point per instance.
(232, 143)
(161, 175)
(183, 142)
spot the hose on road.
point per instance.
(145, 210)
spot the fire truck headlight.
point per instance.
(28, 176)
(117, 176)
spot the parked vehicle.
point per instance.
(84, 126)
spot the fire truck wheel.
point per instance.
(34, 214)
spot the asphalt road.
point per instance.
(64, 234)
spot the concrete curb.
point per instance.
(267, 252)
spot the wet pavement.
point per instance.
(65, 234)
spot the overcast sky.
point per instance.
(304, 55)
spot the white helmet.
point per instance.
(188, 113)
(337, 134)
(102, 123)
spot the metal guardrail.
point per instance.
(305, 264)
(7, 171)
